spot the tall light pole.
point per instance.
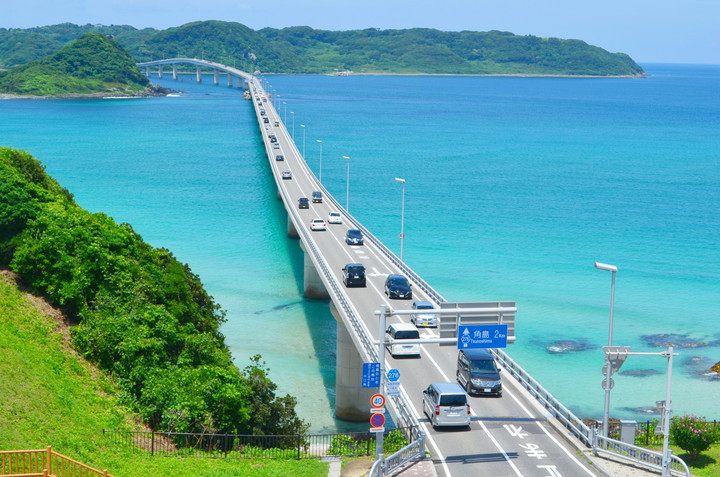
(608, 368)
(285, 112)
(347, 185)
(303, 130)
(402, 217)
(292, 114)
(321, 143)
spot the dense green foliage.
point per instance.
(139, 314)
(693, 434)
(91, 64)
(306, 50)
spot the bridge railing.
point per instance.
(637, 455)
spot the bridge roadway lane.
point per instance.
(508, 436)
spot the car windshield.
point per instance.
(424, 307)
(399, 281)
(452, 400)
(354, 233)
(483, 367)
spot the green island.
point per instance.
(100, 330)
(304, 50)
(91, 65)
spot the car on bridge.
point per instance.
(354, 275)
(423, 319)
(396, 333)
(317, 197)
(334, 218)
(303, 203)
(317, 224)
(478, 372)
(397, 286)
(279, 157)
(276, 145)
(286, 175)
(446, 404)
(354, 237)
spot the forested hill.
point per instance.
(93, 63)
(307, 50)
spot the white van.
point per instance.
(446, 404)
(400, 331)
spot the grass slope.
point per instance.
(51, 396)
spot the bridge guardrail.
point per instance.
(637, 455)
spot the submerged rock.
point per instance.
(640, 373)
(702, 367)
(663, 340)
(569, 346)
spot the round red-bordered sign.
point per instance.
(377, 420)
(377, 401)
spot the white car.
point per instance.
(334, 218)
(423, 318)
(317, 224)
(286, 175)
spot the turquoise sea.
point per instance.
(514, 188)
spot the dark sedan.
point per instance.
(397, 286)
(354, 237)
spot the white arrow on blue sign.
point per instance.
(393, 375)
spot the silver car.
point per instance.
(423, 319)
(446, 404)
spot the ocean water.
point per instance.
(514, 188)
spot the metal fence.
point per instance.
(246, 446)
(638, 455)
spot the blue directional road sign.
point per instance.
(371, 375)
(393, 375)
(482, 336)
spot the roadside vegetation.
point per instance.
(301, 49)
(134, 311)
(49, 395)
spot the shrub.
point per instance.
(693, 434)
(394, 441)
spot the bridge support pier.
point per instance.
(160, 71)
(216, 78)
(291, 230)
(174, 71)
(313, 286)
(198, 75)
(147, 71)
(352, 401)
(230, 80)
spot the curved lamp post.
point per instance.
(402, 218)
(608, 371)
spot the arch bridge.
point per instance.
(242, 77)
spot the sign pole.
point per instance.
(381, 357)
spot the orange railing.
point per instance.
(43, 463)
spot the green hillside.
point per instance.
(91, 64)
(134, 311)
(306, 50)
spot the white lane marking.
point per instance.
(562, 447)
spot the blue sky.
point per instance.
(665, 31)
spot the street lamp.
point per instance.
(292, 115)
(402, 218)
(303, 130)
(347, 185)
(321, 143)
(285, 111)
(608, 371)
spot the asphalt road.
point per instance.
(509, 435)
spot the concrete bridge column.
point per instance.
(174, 71)
(352, 401)
(198, 75)
(147, 71)
(160, 71)
(230, 80)
(313, 286)
(216, 79)
(291, 230)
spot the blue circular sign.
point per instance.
(393, 375)
(377, 420)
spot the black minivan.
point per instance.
(354, 275)
(478, 373)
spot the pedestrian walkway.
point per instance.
(611, 466)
